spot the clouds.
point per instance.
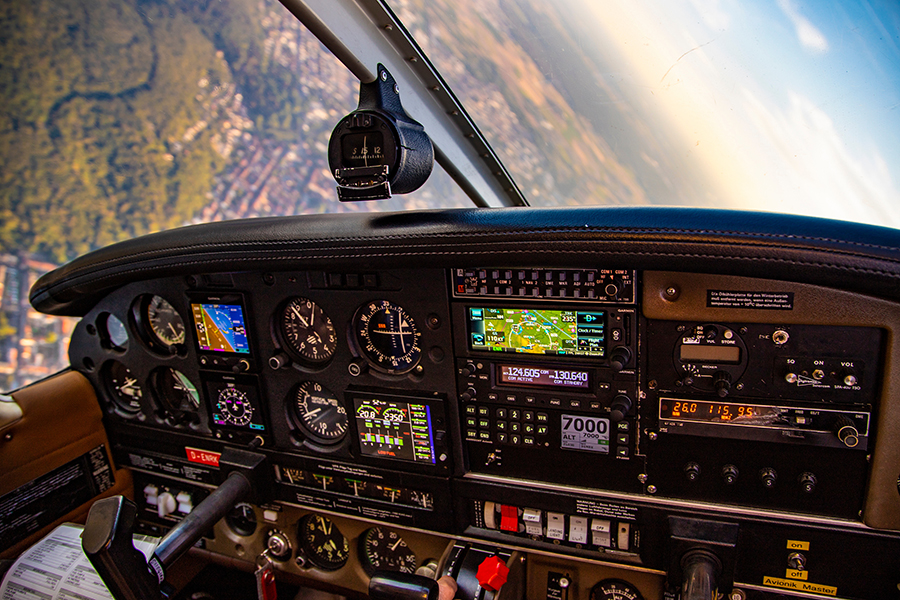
(808, 34)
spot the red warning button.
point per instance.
(204, 457)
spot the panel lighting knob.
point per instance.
(619, 408)
(468, 394)
(469, 369)
(619, 357)
(847, 432)
(722, 383)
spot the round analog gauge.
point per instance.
(308, 332)
(114, 333)
(615, 589)
(322, 542)
(320, 414)
(124, 388)
(234, 406)
(382, 549)
(387, 338)
(242, 519)
(176, 393)
(161, 323)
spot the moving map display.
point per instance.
(220, 328)
(538, 331)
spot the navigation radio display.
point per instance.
(537, 331)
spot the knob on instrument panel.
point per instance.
(619, 357)
(619, 408)
(847, 432)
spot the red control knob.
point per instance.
(492, 573)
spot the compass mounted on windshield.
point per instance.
(378, 149)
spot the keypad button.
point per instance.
(502, 438)
(528, 428)
(484, 423)
(622, 439)
(484, 435)
(542, 430)
(515, 427)
(484, 411)
(501, 425)
(528, 415)
(471, 409)
(542, 418)
(528, 440)
(501, 413)
(471, 434)
(515, 439)
(471, 422)
(515, 414)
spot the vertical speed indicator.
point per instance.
(386, 336)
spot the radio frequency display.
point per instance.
(524, 375)
(537, 331)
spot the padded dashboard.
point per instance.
(572, 382)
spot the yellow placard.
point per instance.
(799, 586)
(795, 545)
(795, 574)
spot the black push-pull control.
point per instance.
(619, 408)
(619, 357)
(722, 383)
(700, 574)
(402, 586)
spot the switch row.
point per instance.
(556, 527)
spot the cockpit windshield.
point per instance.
(124, 117)
(784, 106)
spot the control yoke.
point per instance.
(107, 537)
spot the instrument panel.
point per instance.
(574, 412)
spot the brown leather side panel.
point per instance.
(61, 421)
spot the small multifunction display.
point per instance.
(220, 328)
(537, 331)
(579, 432)
(394, 429)
(539, 376)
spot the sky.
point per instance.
(782, 105)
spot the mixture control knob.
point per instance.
(619, 357)
(722, 383)
(492, 573)
(768, 476)
(469, 369)
(619, 408)
(847, 432)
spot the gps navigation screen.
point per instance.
(220, 328)
(538, 331)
